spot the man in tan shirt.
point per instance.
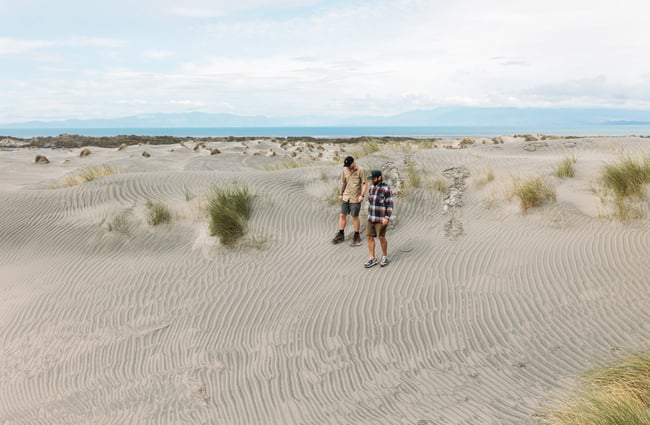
(351, 193)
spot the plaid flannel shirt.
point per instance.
(380, 202)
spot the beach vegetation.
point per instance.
(229, 209)
(118, 223)
(626, 180)
(497, 140)
(486, 177)
(89, 174)
(439, 185)
(289, 163)
(365, 147)
(616, 394)
(565, 168)
(466, 142)
(533, 192)
(84, 152)
(157, 213)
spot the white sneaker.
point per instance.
(383, 262)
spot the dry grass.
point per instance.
(157, 213)
(365, 148)
(484, 178)
(533, 192)
(89, 174)
(565, 168)
(617, 394)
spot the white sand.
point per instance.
(483, 315)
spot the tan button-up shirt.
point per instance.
(351, 183)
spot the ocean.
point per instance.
(336, 132)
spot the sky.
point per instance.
(85, 59)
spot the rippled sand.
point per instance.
(483, 314)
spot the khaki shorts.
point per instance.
(375, 229)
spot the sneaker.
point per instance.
(340, 237)
(383, 262)
(357, 240)
(371, 262)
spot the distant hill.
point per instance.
(444, 116)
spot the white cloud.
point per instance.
(10, 46)
(279, 57)
(158, 54)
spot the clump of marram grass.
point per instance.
(565, 168)
(533, 192)
(157, 213)
(118, 223)
(89, 174)
(626, 180)
(616, 394)
(229, 210)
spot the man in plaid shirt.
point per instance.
(380, 209)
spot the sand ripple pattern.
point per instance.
(142, 327)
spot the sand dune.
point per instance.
(482, 316)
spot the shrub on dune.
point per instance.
(533, 192)
(157, 213)
(229, 209)
(616, 394)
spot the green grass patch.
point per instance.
(616, 394)
(229, 209)
(565, 168)
(157, 213)
(533, 192)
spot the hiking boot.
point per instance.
(340, 237)
(383, 262)
(371, 262)
(357, 240)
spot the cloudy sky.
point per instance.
(91, 59)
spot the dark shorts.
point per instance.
(352, 208)
(375, 229)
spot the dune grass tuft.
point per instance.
(617, 394)
(229, 209)
(627, 178)
(533, 192)
(157, 213)
(565, 168)
(90, 174)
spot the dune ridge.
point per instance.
(160, 324)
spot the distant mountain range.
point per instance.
(444, 116)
